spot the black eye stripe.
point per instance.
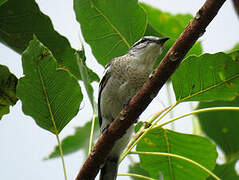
(139, 42)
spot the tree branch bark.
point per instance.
(141, 100)
(236, 6)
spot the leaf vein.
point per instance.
(113, 27)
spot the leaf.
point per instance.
(136, 169)
(21, 19)
(222, 126)
(8, 83)
(236, 47)
(165, 24)
(78, 141)
(193, 147)
(206, 78)
(110, 27)
(226, 171)
(50, 95)
(80, 56)
(2, 2)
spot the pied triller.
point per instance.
(123, 78)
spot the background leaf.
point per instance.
(206, 78)
(21, 19)
(85, 75)
(236, 47)
(222, 126)
(163, 140)
(226, 171)
(2, 2)
(110, 27)
(8, 83)
(165, 24)
(78, 141)
(136, 169)
(51, 96)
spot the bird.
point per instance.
(123, 77)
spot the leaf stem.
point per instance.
(136, 175)
(92, 132)
(145, 125)
(179, 157)
(62, 156)
(145, 132)
(197, 112)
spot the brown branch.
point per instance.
(236, 6)
(141, 100)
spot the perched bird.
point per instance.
(123, 78)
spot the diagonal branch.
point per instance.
(236, 6)
(141, 100)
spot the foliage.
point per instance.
(50, 93)
(165, 24)
(220, 126)
(8, 83)
(163, 140)
(116, 30)
(20, 20)
(206, 78)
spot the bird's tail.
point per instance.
(110, 169)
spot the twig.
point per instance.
(141, 100)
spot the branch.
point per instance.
(236, 6)
(141, 100)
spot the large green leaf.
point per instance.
(165, 24)
(222, 126)
(50, 95)
(110, 27)
(225, 171)
(193, 147)
(78, 141)
(21, 19)
(206, 78)
(8, 83)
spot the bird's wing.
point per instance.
(103, 82)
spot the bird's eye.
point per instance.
(143, 40)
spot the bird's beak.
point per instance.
(161, 41)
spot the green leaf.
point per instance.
(21, 19)
(222, 126)
(110, 27)
(206, 78)
(193, 147)
(136, 169)
(2, 2)
(236, 47)
(8, 83)
(234, 54)
(78, 141)
(50, 95)
(85, 75)
(165, 24)
(225, 171)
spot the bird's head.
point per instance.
(148, 48)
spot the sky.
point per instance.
(24, 144)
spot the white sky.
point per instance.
(24, 144)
